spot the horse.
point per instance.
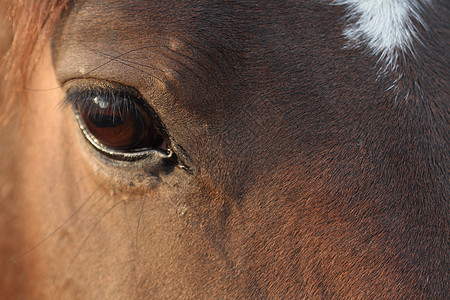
(225, 150)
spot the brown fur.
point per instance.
(308, 178)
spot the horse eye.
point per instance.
(118, 126)
(125, 127)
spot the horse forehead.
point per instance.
(227, 19)
(140, 17)
(382, 25)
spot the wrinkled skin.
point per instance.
(307, 178)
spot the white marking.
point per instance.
(386, 26)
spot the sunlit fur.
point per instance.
(307, 173)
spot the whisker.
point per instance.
(89, 235)
(55, 230)
(118, 57)
(92, 206)
(136, 68)
(43, 90)
(122, 61)
(139, 222)
(112, 59)
(196, 62)
(128, 62)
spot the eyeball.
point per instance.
(116, 122)
(122, 126)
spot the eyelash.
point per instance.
(81, 97)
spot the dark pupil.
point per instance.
(122, 127)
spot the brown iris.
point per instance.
(124, 126)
